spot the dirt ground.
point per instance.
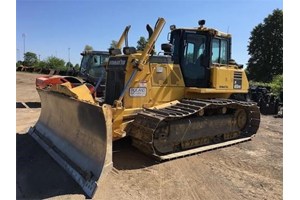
(250, 170)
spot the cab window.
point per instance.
(224, 52)
(219, 51)
(189, 53)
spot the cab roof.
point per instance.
(206, 29)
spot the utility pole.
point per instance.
(39, 57)
(23, 36)
(18, 55)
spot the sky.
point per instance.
(62, 27)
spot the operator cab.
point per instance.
(92, 66)
(196, 50)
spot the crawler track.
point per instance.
(194, 125)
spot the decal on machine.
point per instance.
(237, 84)
(138, 92)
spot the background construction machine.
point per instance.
(176, 103)
(92, 69)
(269, 103)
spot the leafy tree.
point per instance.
(42, 64)
(277, 84)
(19, 63)
(266, 48)
(141, 44)
(113, 44)
(30, 59)
(69, 65)
(76, 67)
(53, 62)
(88, 48)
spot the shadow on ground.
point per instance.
(40, 177)
(126, 157)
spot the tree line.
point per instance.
(51, 62)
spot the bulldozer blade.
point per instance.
(78, 135)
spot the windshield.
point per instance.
(93, 65)
(84, 62)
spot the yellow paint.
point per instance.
(222, 79)
(81, 92)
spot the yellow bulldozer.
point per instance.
(187, 99)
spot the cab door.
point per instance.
(195, 60)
